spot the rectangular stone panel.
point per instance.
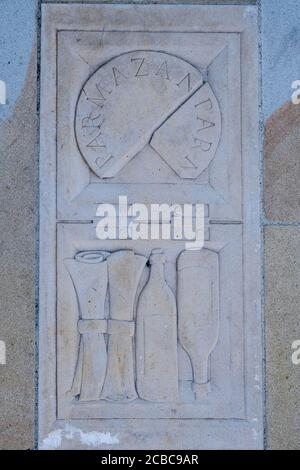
(148, 343)
(226, 398)
(78, 57)
(282, 262)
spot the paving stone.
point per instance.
(141, 339)
(18, 218)
(282, 277)
(282, 164)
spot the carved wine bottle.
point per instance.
(198, 312)
(156, 337)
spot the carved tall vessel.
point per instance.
(156, 338)
(198, 312)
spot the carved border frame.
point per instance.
(207, 434)
(74, 200)
(227, 399)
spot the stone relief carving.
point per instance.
(89, 275)
(156, 340)
(158, 104)
(155, 104)
(131, 352)
(125, 269)
(198, 312)
(147, 100)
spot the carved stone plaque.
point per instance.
(170, 98)
(146, 343)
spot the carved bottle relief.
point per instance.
(124, 355)
(175, 113)
(124, 271)
(198, 312)
(89, 275)
(156, 340)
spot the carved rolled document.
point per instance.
(89, 275)
(124, 272)
(198, 312)
(156, 337)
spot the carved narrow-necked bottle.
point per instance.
(156, 337)
(198, 312)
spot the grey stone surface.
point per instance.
(170, 2)
(280, 49)
(18, 238)
(280, 59)
(16, 41)
(282, 280)
(282, 164)
(129, 104)
(18, 216)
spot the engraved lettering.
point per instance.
(197, 112)
(187, 80)
(205, 124)
(96, 142)
(189, 163)
(202, 144)
(163, 70)
(101, 90)
(95, 122)
(138, 72)
(208, 102)
(118, 75)
(102, 159)
(98, 101)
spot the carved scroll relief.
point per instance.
(127, 353)
(125, 269)
(89, 275)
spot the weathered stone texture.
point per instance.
(282, 164)
(181, 2)
(18, 215)
(282, 259)
(157, 120)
